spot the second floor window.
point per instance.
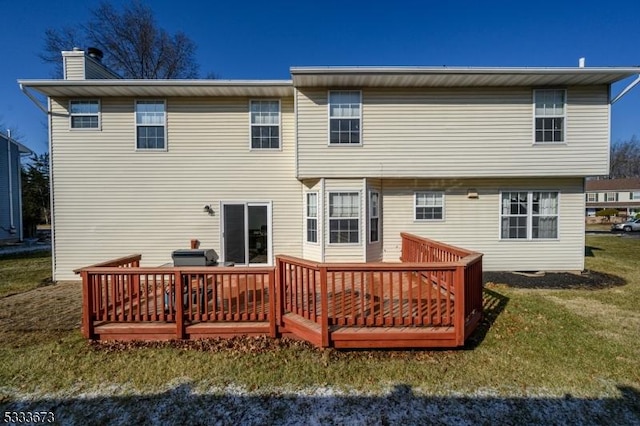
(84, 114)
(265, 124)
(549, 115)
(150, 125)
(344, 117)
(634, 195)
(611, 196)
(592, 197)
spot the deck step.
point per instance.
(394, 337)
(136, 331)
(303, 328)
(206, 330)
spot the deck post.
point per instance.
(324, 307)
(87, 307)
(273, 318)
(179, 305)
(279, 293)
(459, 307)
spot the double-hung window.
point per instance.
(550, 109)
(611, 197)
(634, 195)
(312, 217)
(150, 125)
(344, 217)
(374, 216)
(84, 114)
(429, 205)
(526, 215)
(592, 197)
(265, 124)
(345, 108)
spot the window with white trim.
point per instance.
(634, 195)
(374, 216)
(550, 109)
(344, 117)
(312, 217)
(265, 124)
(592, 197)
(150, 125)
(611, 197)
(84, 114)
(429, 205)
(344, 217)
(527, 215)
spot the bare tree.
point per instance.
(134, 45)
(625, 159)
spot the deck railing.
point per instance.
(114, 293)
(436, 285)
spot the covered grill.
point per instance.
(194, 257)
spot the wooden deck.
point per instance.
(433, 298)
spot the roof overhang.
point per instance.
(160, 88)
(456, 77)
(21, 148)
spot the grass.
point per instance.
(558, 342)
(23, 272)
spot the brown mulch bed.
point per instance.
(587, 280)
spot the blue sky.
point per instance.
(261, 40)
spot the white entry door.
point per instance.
(246, 233)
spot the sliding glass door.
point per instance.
(246, 233)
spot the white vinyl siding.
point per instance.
(549, 110)
(561, 254)
(455, 133)
(265, 124)
(151, 125)
(84, 114)
(109, 203)
(429, 205)
(345, 117)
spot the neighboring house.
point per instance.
(620, 194)
(330, 166)
(11, 189)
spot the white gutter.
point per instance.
(626, 89)
(12, 228)
(33, 99)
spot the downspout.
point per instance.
(12, 228)
(51, 195)
(633, 84)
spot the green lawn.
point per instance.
(557, 342)
(24, 272)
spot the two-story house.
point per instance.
(331, 165)
(11, 151)
(620, 194)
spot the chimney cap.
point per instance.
(95, 53)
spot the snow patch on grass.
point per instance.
(182, 403)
